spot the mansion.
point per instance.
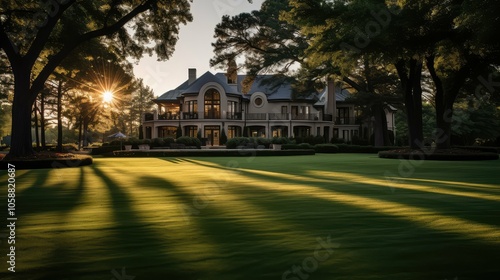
(210, 103)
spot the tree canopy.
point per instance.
(37, 36)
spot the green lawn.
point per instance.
(337, 216)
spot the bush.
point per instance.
(189, 141)
(235, 142)
(281, 140)
(302, 146)
(326, 148)
(168, 141)
(105, 149)
(263, 141)
(345, 148)
(223, 137)
(157, 142)
(312, 140)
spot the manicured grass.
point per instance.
(256, 218)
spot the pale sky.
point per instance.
(193, 50)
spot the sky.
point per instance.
(194, 49)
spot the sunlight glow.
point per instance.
(107, 96)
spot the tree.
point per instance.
(37, 36)
(267, 43)
(141, 102)
(223, 137)
(411, 35)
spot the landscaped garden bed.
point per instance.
(46, 160)
(211, 153)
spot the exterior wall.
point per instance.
(266, 116)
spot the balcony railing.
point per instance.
(279, 116)
(233, 116)
(256, 116)
(345, 121)
(168, 116)
(250, 117)
(190, 116)
(310, 117)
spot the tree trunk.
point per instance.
(37, 138)
(412, 90)
(42, 120)
(59, 118)
(381, 134)
(21, 145)
(80, 124)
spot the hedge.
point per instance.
(326, 148)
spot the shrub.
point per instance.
(167, 141)
(263, 141)
(326, 148)
(281, 140)
(157, 142)
(116, 142)
(189, 141)
(223, 137)
(301, 146)
(233, 143)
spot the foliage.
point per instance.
(326, 148)
(223, 137)
(281, 140)
(475, 122)
(235, 142)
(36, 37)
(189, 141)
(312, 140)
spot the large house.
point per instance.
(210, 103)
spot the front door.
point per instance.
(212, 133)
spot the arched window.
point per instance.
(212, 104)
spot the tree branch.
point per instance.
(55, 60)
(44, 32)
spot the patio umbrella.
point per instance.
(118, 135)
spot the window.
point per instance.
(343, 115)
(191, 131)
(212, 104)
(233, 131)
(284, 109)
(258, 102)
(192, 106)
(233, 110)
(167, 131)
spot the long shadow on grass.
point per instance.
(59, 197)
(134, 243)
(244, 247)
(363, 234)
(450, 244)
(439, 203)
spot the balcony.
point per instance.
(345, 121)
(327, 117)
(190, 116)
(234, 116)
(278, 117)
(305, 117)
(169, 116)
(256, 117)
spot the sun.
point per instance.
(107, 96)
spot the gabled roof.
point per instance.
(208, 77)
(262, 83)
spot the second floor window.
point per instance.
(192, 106)
(212, 104)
